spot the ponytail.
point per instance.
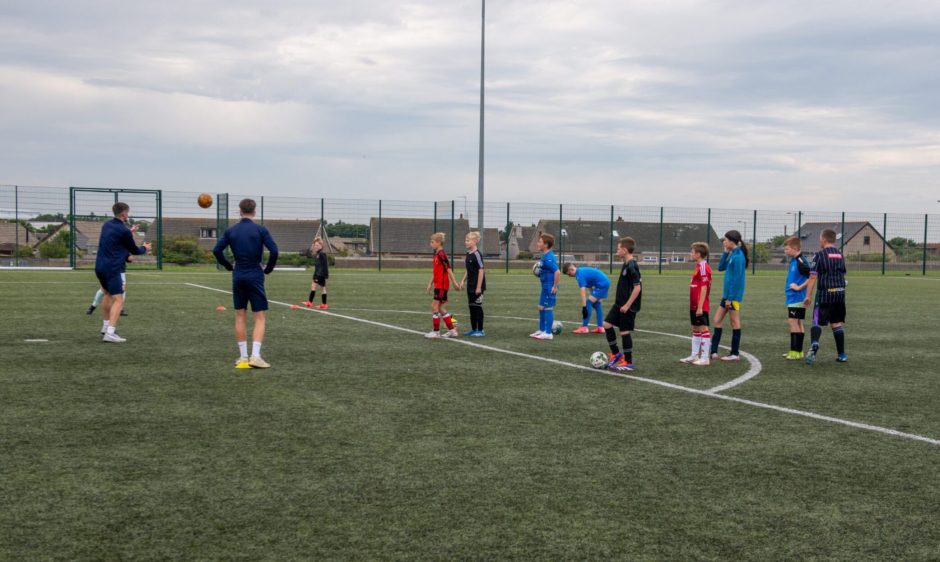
(747, 258)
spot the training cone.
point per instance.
(220, 307)
(294, 306)
(243, 365)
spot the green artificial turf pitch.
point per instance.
(368, 442)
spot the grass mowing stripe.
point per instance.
(707, 393)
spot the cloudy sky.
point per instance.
(725, 103)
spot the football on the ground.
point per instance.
(598, 359)
(556, 327)
(205, 200)
(537, 269)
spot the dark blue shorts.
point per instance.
(111, 282)
(249, 289)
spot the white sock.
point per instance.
(243, 348)
(256, 348)
(104, 325)
(696, 344)
(706, 346)
(110, 330)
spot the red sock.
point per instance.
(436, 322)
(449, 321)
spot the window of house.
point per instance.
(206, 232)
(866, 240)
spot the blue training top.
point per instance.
(248, 241)
(114, 245)
(735, 268)
(549, 267)
(591, 277)
(797, 272)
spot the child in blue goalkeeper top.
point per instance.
(828, 269)
(795, 290)
(623, 314)
(549, 277)
(734, 262)
(597, 282)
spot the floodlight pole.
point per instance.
(480, 173)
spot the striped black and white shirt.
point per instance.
(829, 269)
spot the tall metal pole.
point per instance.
(16, 225)
(480, 173)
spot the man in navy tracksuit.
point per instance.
(248, 241)
(115, 244)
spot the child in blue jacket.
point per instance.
(734, 262)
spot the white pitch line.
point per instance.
(706, 393)
(753, 361)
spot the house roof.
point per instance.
(809, 233)
(411, 236)
(595, 236)
(11, 231)
(290, 235)
(87, 233)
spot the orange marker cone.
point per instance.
(294, 306)
(220, 307)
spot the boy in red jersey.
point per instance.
(699, 291)
(442, 277)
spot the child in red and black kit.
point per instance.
(441, 280)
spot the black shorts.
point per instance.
(830, 313)
(796, 312)
(625, 321)
(249, 289)
(440, 295)
(474, 298)
(321, 281)
(698, 320)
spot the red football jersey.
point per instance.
(701, 281)
(441, 265)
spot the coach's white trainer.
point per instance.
(433, 334)
(689, 359)
(113, 338)
(544, 336)
(731, 358)
(257, 362)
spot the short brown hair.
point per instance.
(700, 248)
(627, 243)
(828, 235)
(565, 267)
(548, 239)
(119, 208)
(793, 242)
(247, 206)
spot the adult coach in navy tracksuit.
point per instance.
(115, 244)
(248, 241)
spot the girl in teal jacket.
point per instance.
(734, 262)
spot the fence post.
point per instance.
(561, 230)
(434, 222)
(160, 230)
(610, 251)
(452, 230)
(754, 244)
(72, 227)
(660, 260)
(508, 235)
(16, 225)
(884, 243)
(842, 237)
(924, 266)
(380, 235)
(799, 223)
(322, 216)
(262, 210)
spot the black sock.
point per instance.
(735, 342)
(800, 336)
(313, 295)
(473, 318)
(839, 335)
(323, 297)
(480, 318)
(716, 339)
(627, 347)
(792, 341)
(814, 334)
(612, 340)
